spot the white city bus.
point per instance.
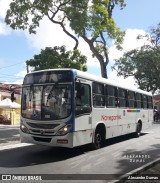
(69, 108)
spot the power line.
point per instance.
(6, 74)
(14, 77)
(12, 81)
(12, 65)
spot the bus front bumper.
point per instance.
(55, 141)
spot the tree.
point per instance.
(90, 19)
(143, 63)
(58, 57)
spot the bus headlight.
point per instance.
(24, 128)
(64, 130)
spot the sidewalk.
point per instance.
(8, 126)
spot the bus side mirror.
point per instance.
(12, 96)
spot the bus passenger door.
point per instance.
(83, 120)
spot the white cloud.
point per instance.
(20, 76)
(130, 42)
(128, 82)
(4, 30)
(21, 73)
(84, 48)
(19, 81)
(50, 35)
(4, 5)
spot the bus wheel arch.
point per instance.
(99, 136)
(138, 129)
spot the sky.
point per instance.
(17, 46)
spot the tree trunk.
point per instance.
(100, 58)
(102, 63)
(103, 69)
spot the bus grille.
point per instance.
(42, 126)
(40, 139)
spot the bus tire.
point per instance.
(99, 137)
(138, 129)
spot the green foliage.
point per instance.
(90, 19)
(94, 16)
(144, 63)
(58, 57)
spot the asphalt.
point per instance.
(149, 173)
(9, 135)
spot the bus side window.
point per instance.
(138, 100)
(98, 95)
(111, 96)
(144, 101)
(131, 99)
(122, 97)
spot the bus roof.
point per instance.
(95, 78)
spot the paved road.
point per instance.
(119, 156)
(9, 135)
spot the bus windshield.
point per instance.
(46, 102)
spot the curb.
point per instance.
(137, 171)
(9, 126)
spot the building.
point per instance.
(9, 115)
(156, 102)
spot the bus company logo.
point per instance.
(110, 118)
(42, 131)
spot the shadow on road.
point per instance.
(36, 154)
(121, 139)
(133, 158)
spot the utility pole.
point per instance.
(27, 68)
